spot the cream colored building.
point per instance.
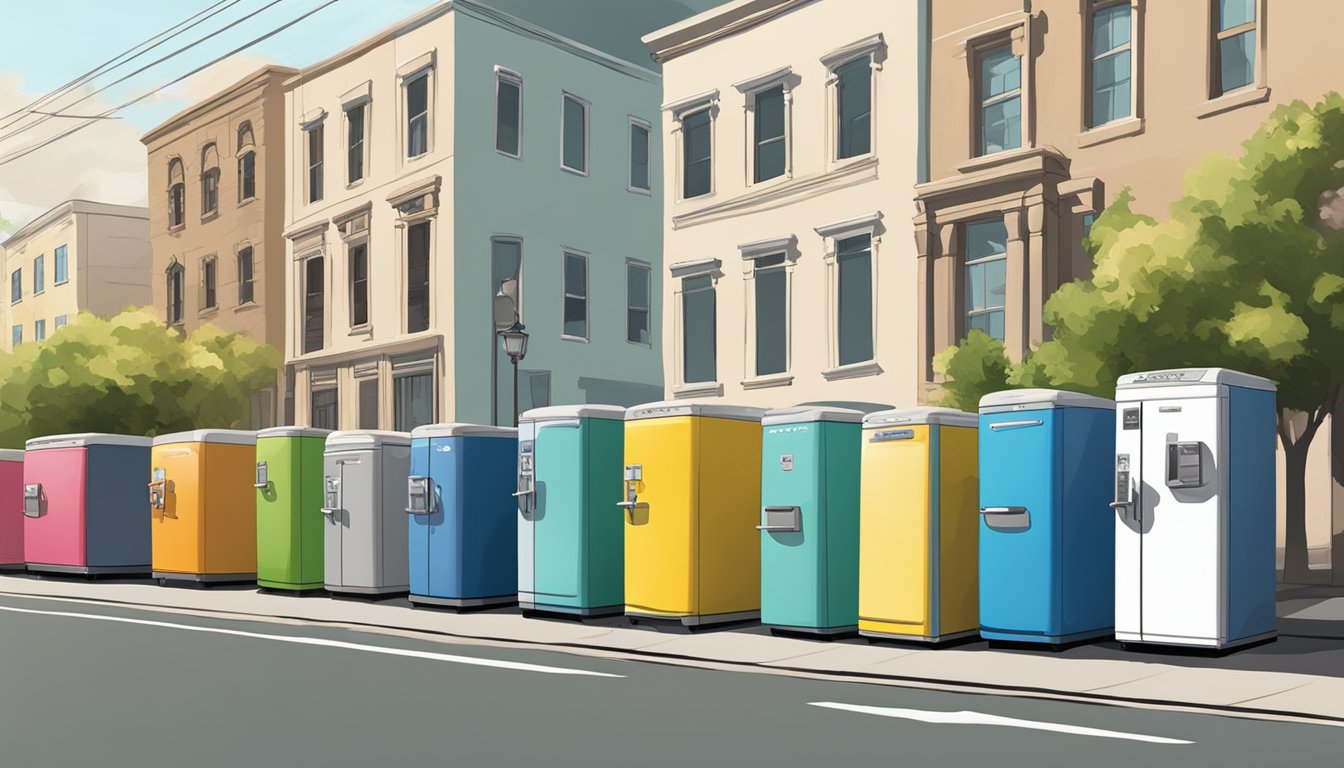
(793, 146)
(80, 256)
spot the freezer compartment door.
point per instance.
(662, 468)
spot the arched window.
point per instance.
(177, 193)
(247, 163)
(209, 180)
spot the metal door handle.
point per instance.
(524, 493)
(770, 528)
(627, 504)
(1011, 424)
(1119, 504)
(1003, 510)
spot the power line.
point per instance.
(114, 62)
(22, 129)
(11, 157)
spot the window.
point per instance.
(772, 315)
(576, 297)
(412, 401)
(177, 193)
(60, 322)
(1233, 45)
(359, 285)
(175, 294)
(368, 403)
(209, 180)
(247, 163)
(1000, 91)
(534, 390)
(985, 276)
(1111, 68)
(639, 155)
(325, 413)
(246, 294)
(314, 163)
(696, 139)
(314, 274)
(16, 335)
(417, 115)
(698, 329)
(854, 257)
(574, 141)
(39, 274)
(354, 143)
(209, 281)
(854, 107)
(417, 277)
(769, 141)
(16, 286)
(39, 330)
(637, 292)
(508, 113)
(62, 265)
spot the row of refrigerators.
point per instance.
(1049, 517)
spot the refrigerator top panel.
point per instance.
(9, 454)
(803, 414)
(566, 412)
(87, 438)
(1039, 399)
(1181, 377)
(367, 438)
(460, 430)
(669, 408)
(913, 416)
(226, 436)
(293, 432)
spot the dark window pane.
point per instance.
(535, 391)
(359, 285)
(324, 409)
(417, 116)
(209, 278)
(245, 276)
(1110, 88)
(637, 303)
(770, 134)
(412, 401)
(417, 278)
(247, 173)
(696, 149)
(854, 95)
(175, 294)
(315, 164)
(355, 150)
(508, 117)
(1234, 13)
(368, 403)
(771, 319)
(575, 138)
(698, 324)
(856, 299)
(1236, 59)
(314, 274)
(62, 265)
(576, 296)
(639, 157)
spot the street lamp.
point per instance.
(515, 346)
(504, 315)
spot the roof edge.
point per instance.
(717, 23)
(202, 105)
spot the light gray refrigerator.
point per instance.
(364, 506)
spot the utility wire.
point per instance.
(117, 60)
(25, 128)
(11, 157)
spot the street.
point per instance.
(97, 685)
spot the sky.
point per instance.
(48, 43)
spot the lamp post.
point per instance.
(515, 346)
(504, 315)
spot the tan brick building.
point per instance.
(216, 217)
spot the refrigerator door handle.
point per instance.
(1012, 424)
(781, 520)
(1003, 510)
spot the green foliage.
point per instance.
(974, 369)
(130, 375)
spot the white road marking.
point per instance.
(980, 718)
(479, 662)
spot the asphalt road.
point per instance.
(84, 684)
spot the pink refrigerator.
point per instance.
(84, 508)
(11, 510)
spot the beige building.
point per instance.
(793, 146)
(80, 256)
(216, 203)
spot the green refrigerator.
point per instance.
(289, 508)
(810, 520)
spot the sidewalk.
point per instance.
(1301, 676)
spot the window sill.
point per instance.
(502, 153)
(356, 184)
(1231, 101)
(998, 158)
(208, 312)
(177, 228)
(852, 371)
(699, 389)
(840, 163)
(361, 330)
(247, 306)
(39, 293)
(211, 216)
(578, 339)
(1119, 129)
(246, 201)
(573, 171)
(59, 283)
(766, 382)
(639, 191)
(773, 181)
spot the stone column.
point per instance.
(1017, 296)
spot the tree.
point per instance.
(132, 375)
(1246, 273)
(974, 369)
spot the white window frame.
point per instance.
(752, 253)
(423, 65)
(875, 48)
(633, 122)
(648, 292)
(40, 261)
(251, 248)
(206, 263)
(964, 262)
(244, 149)
(1091, 135)
(678, 111)
(679, 272)
(60, 322)
(566, 96)
(40, 329)
(350, 246)
(831, 235)
(565, 253)
(750, 89)
(361, 104)
(503, 74)
(1091, 57)
(313, 121)
(61, 250)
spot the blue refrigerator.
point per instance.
(1047, 549)
(463, 529)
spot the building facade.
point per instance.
(80, 256)
(793, 145)
(216, 203)
(430, 163)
